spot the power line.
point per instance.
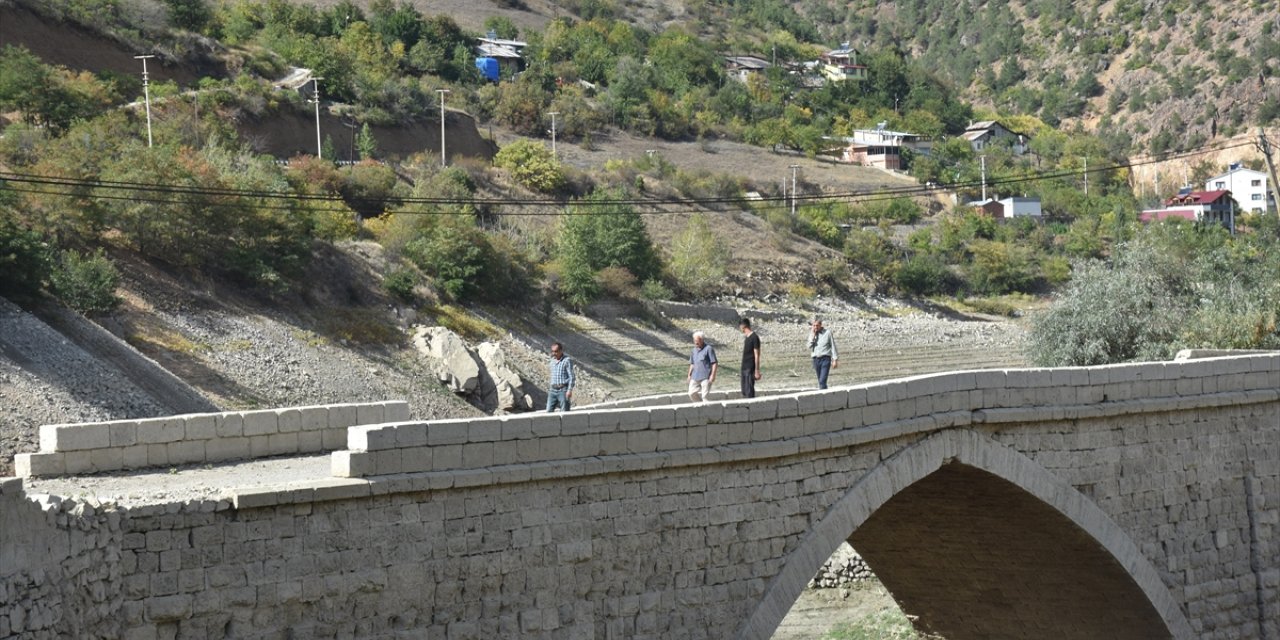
(766, 203)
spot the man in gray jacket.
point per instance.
(822, 346)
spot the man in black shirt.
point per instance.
(750, 359)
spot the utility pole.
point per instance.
(984, 177)
(315, 97)
(553, 115)
(1264, 145)
(793, 189)
(146, 92)
(1086, 176)
(443, 162)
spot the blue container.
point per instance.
(488, 68)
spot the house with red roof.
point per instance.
(1200, 206)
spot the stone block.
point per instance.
(77, 462)
(26, 465)
(186, 451)
(516, 428)
(584, 446)
(813, 402)
(310, 441)
(313, 418)
(415, 459)
(395, 411)
(553, 448)
(233, 448)
(161, 430)
(168, 608)
(75, 437)
(477, 455)
(259, 446)
(663, 417)
(200, 426)
(370, 414)
(282, 443)
(371, 437)
(134, 457)
(446, 457)
(342, 416)
(260, 423)
(157, 455)
(335, 439)
(642, 441)
(387, 462)
(288, 420)
(447, 432)
(490, 430)
(602, 421)
(109, 459)
(124, 433)
(351, 464)
(411, 434)
(544, 425)
(229, 424)
(671, 439)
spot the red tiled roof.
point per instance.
(1198, 197)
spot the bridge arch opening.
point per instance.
(975, 540)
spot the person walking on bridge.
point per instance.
(822, 347)
(561, 389)
(750, 358)
(702, 368)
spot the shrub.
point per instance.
(400, 283)
(86, 283)
(654, 290)
(699, 259)
(531, 164)
(618, 282)
(924, 275)
(24, 259)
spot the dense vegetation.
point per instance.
(201, 200)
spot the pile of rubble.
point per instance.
(844, 566)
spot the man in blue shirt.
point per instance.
(561, 389)
(702, 368)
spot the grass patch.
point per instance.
(361, 326)
(1009, 306)
(459, 321)
(167, 339)
(885, 624)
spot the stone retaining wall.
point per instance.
(68, 449)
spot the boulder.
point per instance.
(502, 388)
(454, 364)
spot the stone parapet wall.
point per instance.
(68, 449)
(59, 566)
(729, 430)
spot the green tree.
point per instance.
(600, 233)
(366, 144)
(699, 259)
(531, 164)
(86, 283)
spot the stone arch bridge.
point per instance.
(1127, 501)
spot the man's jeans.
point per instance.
(557, 397)
(822, 366)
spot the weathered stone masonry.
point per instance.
(1126, 501)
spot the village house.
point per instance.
(497, 58)
(742, 67)
(1012, 207)
(1250, 188)
(841, 64)
(880, 147)
(988, 132)
(1199, 206)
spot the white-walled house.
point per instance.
(1250, 188)
(1017, 207)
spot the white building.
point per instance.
(1250, 188)
(1018, 207)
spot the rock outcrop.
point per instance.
(454, 364)
(501, 387)
(483, 376)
